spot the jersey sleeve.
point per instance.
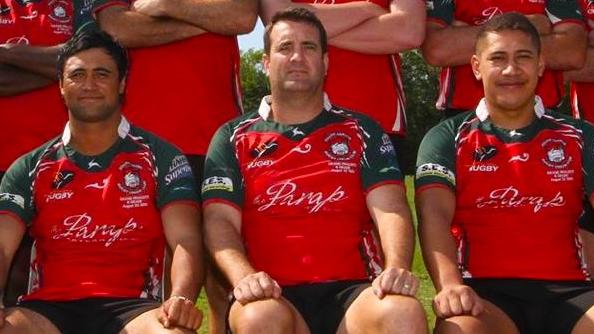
(378, 162)
(175, 180)
(222, 175)
(16, 195)
(560, 11)
(436, 159)
(440, 11)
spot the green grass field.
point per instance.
(425, 293)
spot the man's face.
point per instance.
(90, 86)
(509, 66)
(296, 62)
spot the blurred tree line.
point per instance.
(421, 83)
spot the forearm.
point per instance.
(393, 32)
(187, 274)
(450, 46)
(336, 18)
(437, 243)
(14, 81)
(35, 59)
(565, 47)
(134, 30)
(226, 17)
(586, 73)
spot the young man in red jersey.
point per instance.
(500, 192)
(291, 193)
(102, 202)
(452, 27)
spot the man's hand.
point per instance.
(256, 286)
(455, 300)
(180, 311)
(541, 22)
(395, 281)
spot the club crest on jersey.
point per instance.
(339, 146)
(132, 182)
(555, 155)
(484, 153)
(59, 11)
(264, 149)
(62, 178)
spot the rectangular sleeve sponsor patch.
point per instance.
(435, 170)
(217, 183)
(13, 198)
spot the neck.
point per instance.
(512, 119)
(296, 108)
(94, 138)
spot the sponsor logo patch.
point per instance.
(288, 194)
(511, 197)
(217, 183)
(80, 228)
(13, 198)
(436, 170)
(386, 147)
(62, 178)
(179, 169)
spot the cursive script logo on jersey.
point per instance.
(80, 228)
(487, 14)
(264, 149)
(132, 182)
(484, 153)
(524, 157)
(62, 178)
(288, 194)
(555, 155)
(510, 197)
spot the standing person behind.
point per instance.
(364, 40)
(500, 192)
(582, 86)
(184, 80)
(452, 27)
(31, 111)
(296, 243)
(102, 202)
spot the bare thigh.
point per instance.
(24, 321)
(491, 321)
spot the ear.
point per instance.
(326, 63)
(122, 87)
(541, 65)
(61, 84)
(266, 63)
(475, 64)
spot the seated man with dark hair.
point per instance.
(500, 192)
(291, 195)
(102, 202)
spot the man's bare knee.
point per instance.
(265, 316)
(23, 321)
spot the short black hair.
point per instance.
(91, 40)
(512, 21)
(296, 14)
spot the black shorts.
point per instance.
(538, 307)
(91, 315)
(323, 305)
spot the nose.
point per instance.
(297, 55)
(511, 68)
(89, 82)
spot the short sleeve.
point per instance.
(436, 159)
(222, 175)
(175, 180)
(378, 161)
(441, 11)
(16, 195)
(560, 11)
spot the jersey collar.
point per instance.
(123, 130)
(265, 106)
(482, 113)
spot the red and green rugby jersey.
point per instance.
(301, 191)
(371, 84)
(183, 91)
(30, 119)
(96, 220)
(582, 93)
(519, 193)
(458, 87)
